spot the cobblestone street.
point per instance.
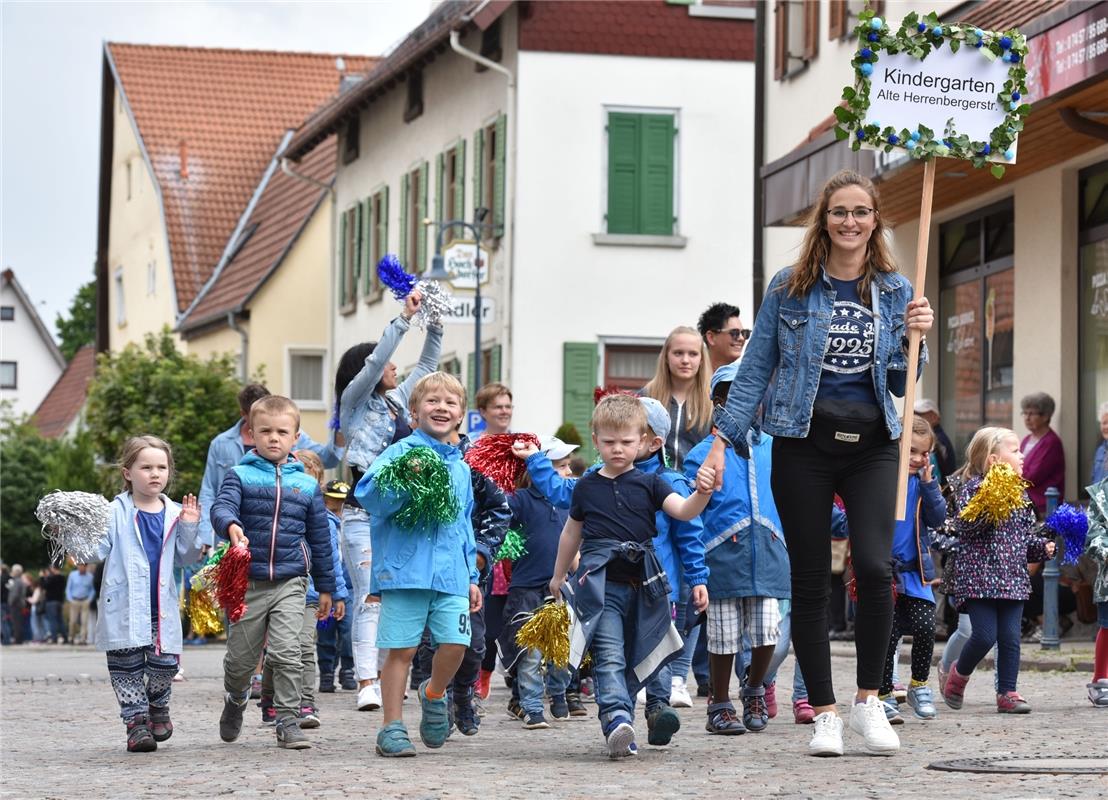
(62, 738)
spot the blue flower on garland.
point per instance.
(978, 44)
(1015, 58)
(866, 69)
(921, 27)
(915, 136)
(873, 37)
(937, 30)
(1016, 95)
(866, 54)
(876, 23)
(893, 138)
(1005, 43)
(861, 134)
(1009, 154)
(910, 144)
(985, 151)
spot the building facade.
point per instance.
(30, 361)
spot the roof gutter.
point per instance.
(510, 179)
(288, 170)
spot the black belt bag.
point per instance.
(846, 428)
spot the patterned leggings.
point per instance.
(915, 617)
(141, 678)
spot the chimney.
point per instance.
(184, 160)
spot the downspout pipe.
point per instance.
(758, 270)
(245, 343)
(510, 179)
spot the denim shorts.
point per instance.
(1102, 614)
(406, 612)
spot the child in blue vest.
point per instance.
(914, 573)
(749, 572)
(426, 577)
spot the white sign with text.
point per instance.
(906, 92)
(460, 260)
(463, 311)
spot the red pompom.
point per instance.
(232, 576)
(491, 455)
(600, 392)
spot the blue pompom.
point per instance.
(986, 151)
(1009, 154)
(1016, 95)
(326, 622)
(1015, 58)
(866, 54)
(921, 27)
(1005, 56)
(393, 275)
(876, 23)
(1069, 522)
(861, 134)
(937, 30)
(1013, 106)
(910, 144)
(978, 32)
(1005, 43)
(978, 43)
(915, 136)
(893, 138)
(873, 37)
(866, 69)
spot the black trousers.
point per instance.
(805, 481)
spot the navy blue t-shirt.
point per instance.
(848, 362)
(541, 525)
(152, 527)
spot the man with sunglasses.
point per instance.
(722, 330)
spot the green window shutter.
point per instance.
(356, 256)
(403, 249)
(421, 232)
(499, 171)
(382, 234)
(494, 366)
(342, 259)
(440, 187)
(580, 361)
(656, 203)
(478, 168)
(623, 172)
(471, 369)
(459, 209)
(367, 268)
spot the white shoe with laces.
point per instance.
(679, 694)
(827, 738)
(369, 697)
(869, 721)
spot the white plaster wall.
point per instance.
(457, 101)
(21, 342)
(566, 288)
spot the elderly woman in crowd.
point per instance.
(1100, 457)
(1044, 457)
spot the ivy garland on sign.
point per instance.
(917, 37)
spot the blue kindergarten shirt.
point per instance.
(848, 361)
(152, 527)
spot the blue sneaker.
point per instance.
(393, 741)
(892, 710)
(434, 724)
(755, 712)
(922, 702)
(620, 737)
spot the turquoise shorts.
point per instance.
(406, 612)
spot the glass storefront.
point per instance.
(1093, 314)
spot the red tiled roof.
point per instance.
(226, 112)
(67, 396)
(285, 206)
(1002, 15)
(657, 29)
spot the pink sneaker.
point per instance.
(803, 713)
(1012, 703)
(943, 675)
(771, 699)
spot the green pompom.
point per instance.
(512, 547)
(424, 478)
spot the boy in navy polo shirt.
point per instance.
(620, 601)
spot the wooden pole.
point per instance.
(914, 337)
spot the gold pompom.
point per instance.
(548, 632)
(204, 616)
(998, 497)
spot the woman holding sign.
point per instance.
(830, 342)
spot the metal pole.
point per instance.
(477, 315)
(1049, 639)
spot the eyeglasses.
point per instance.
(860, 214)
(737, 334)
(1026, 413)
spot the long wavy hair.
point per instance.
(699, 401)
(815, 250)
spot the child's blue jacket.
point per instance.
(744, 546)
(443, 557)
(340, 593)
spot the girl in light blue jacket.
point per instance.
(139, 624)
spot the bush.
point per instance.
(568, 433)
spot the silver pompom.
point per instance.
(437, 303)
(75, 523)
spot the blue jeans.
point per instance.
(531, 681)
(334, 641)
(616, 683)
(680, 666)
(994, 622)
(784, 636)
(38, 624)
(54, 623)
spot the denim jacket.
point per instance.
(227, 450)
(364, 416)
(123, 619)
(786, 352)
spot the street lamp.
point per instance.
(438, 273)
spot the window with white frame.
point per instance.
(306, 378)
(120, 309)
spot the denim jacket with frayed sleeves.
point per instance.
(364, 416)
(124, 620)
(786, 352)
(442, 558)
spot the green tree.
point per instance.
(156, 389)
(24, 454)
(79, 327)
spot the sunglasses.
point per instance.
(737, 334)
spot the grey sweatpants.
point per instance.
(274, 618)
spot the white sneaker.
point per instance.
(180, 676)
(869, 721)
(369, 697)
(679, 694)
(827, 738)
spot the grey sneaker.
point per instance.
(922, 702)
(230, 721)
(1098, 692)
(289, 735)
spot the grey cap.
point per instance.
(657, 417)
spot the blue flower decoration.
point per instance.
(947, 143)
(986, 151)
(978, 32)
(910, 144)
(876, 23)
(866, 69)
(978, 43)
(861, 134)
(1013, 106)
(1006, 56)
(893, 138)
(866, 54)
(1016, 95)
(915, 136)
(937, 30)
(873, 37)
(921, 27)
(1005, 43)
(1009, 154)
(1015, 59)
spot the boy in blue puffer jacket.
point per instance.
(268, 504)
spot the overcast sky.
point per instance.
(49, 150)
